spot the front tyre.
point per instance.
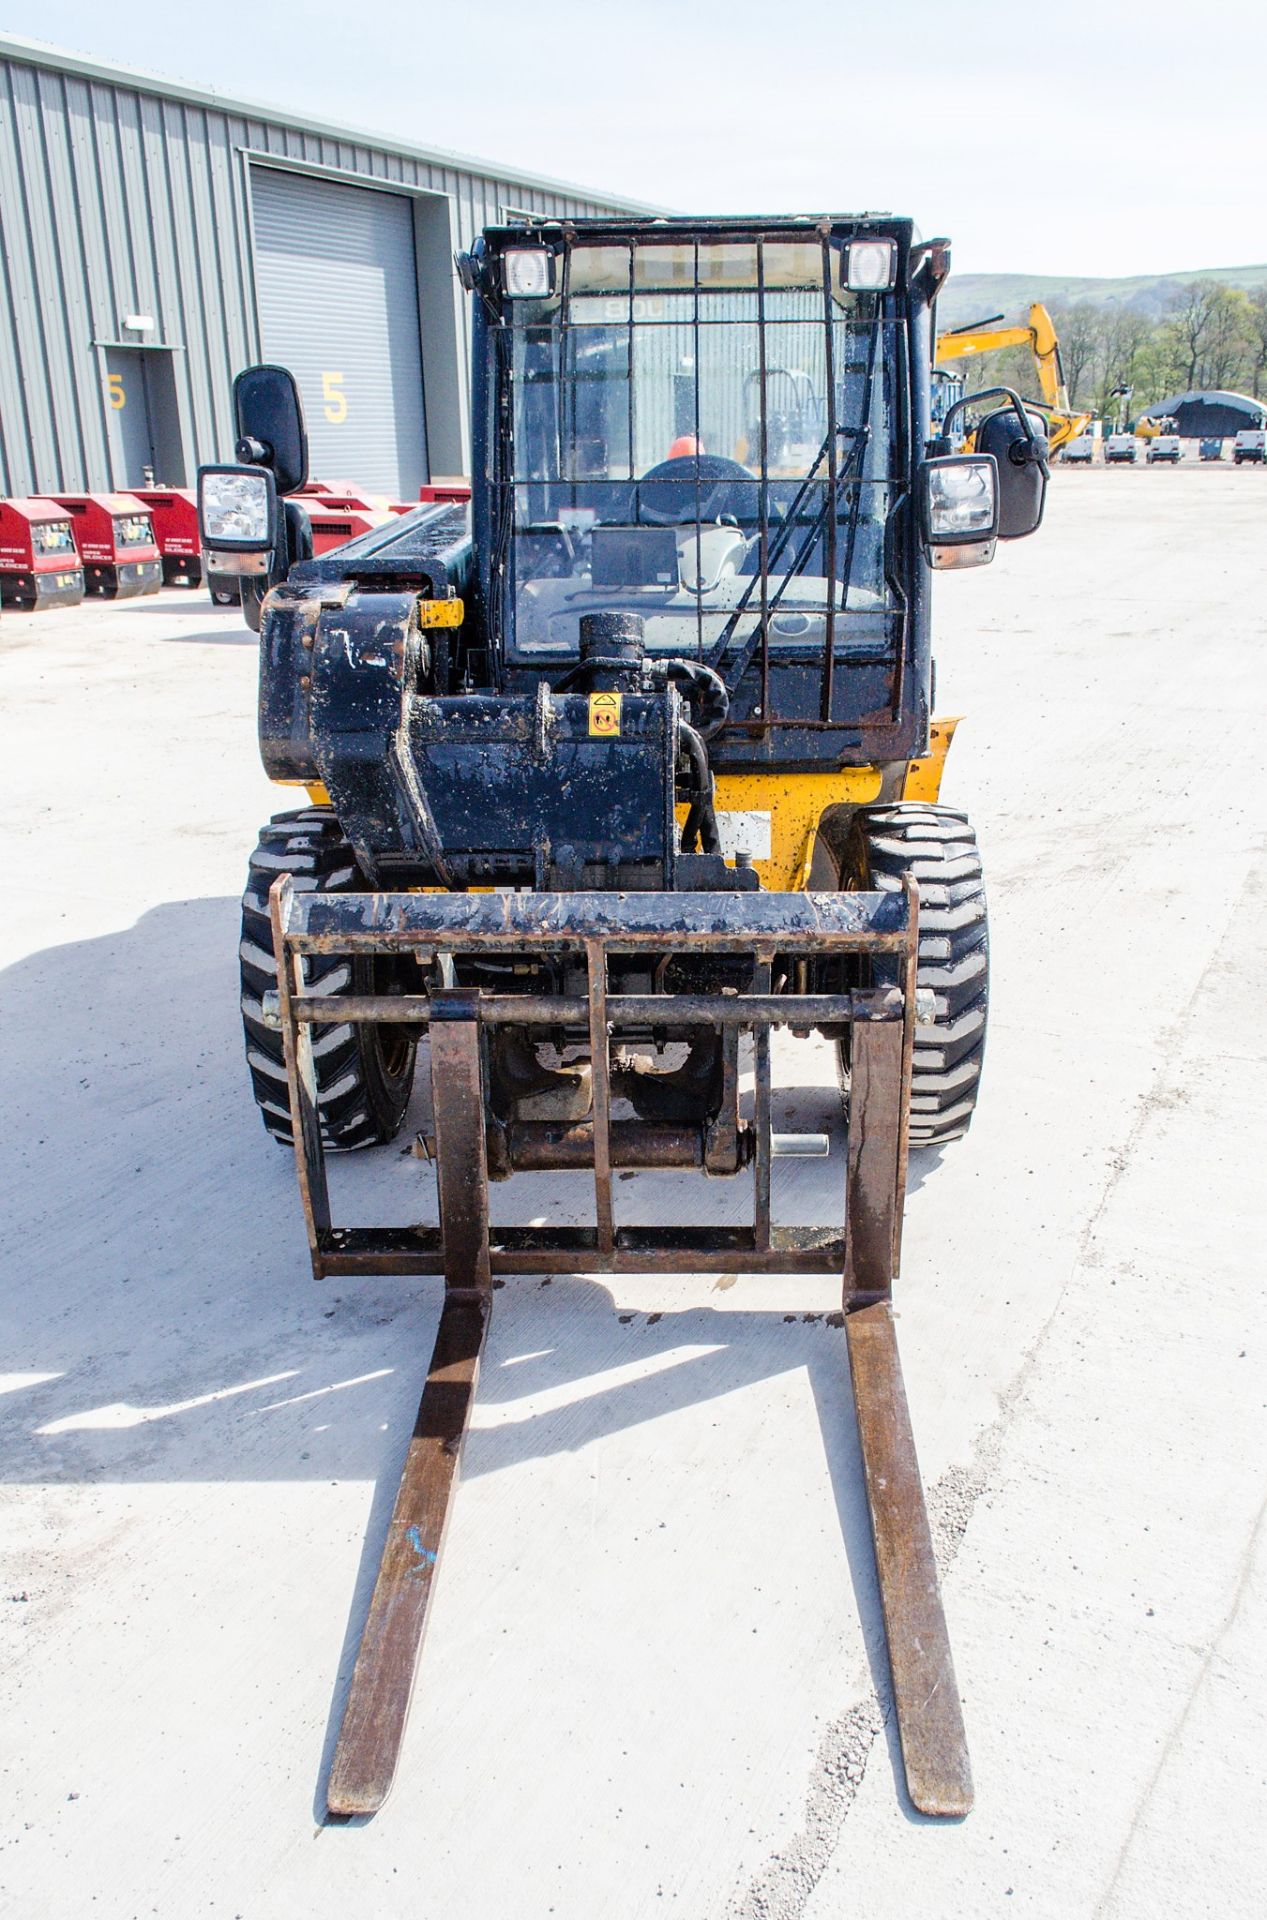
(252, 598)
(937, 846)
(364, 1073)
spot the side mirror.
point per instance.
(1022, 455)
(270, 422)
(959, 509)
(1015, 439)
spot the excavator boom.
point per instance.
(1041, 339)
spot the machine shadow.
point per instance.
(216, 639)
(170, 600)
(164, 1325)
(725, 1349)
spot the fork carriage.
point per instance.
(762, 932)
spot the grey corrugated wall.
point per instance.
(123, 194)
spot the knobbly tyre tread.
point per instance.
(937, 846)
(361, 1093)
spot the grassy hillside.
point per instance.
(973, 296)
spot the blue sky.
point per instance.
(1076, 139)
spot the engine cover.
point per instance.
(570, 791)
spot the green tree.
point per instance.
(1193, 317)
(1124, 336)
(1258, 343)
(1078, 330)
(1212, 335)
(1161, 364)
(1227, 358)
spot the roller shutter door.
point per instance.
(337, 287)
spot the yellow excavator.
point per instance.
(1039, 335)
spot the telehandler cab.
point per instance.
(570, 760)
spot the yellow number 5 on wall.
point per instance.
(336, 407)
(114, 386)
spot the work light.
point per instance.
(236, 508)
(528, 273)
(870, 265)
(961, 509)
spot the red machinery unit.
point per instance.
(445, 490)
(115, 537)
(39, 562)
(349, 493)
(174, 512)
(335, 519)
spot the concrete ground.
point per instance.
(651, 1679)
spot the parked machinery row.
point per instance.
(53, 550)
(57, 548)
(1249, 447)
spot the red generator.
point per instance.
(174, 513)
(334, 519)
(115, 537)
(39, 561)
(433, 492)
(348, 493)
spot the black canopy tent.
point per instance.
(1210, 413)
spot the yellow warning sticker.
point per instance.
(605, 716)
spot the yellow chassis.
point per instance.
(785, 808)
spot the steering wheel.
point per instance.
(695, 487)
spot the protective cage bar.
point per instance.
(469, 1252)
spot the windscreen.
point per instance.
(703, 433)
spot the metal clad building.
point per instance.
(155, 238)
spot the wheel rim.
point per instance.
(396, 1049)
(395, 1044)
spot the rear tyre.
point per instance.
(364, 1073)
(937, 846)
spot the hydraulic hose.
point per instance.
(705, 691)
(701, 820)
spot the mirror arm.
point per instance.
(1033, 450)
(992, 393)
(1031, 453)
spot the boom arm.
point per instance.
(1040, 337)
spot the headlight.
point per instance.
(528, 273)
(962, 499)
(960, 509)
(870, 265)
(235, 507)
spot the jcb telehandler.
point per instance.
(570, 761)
